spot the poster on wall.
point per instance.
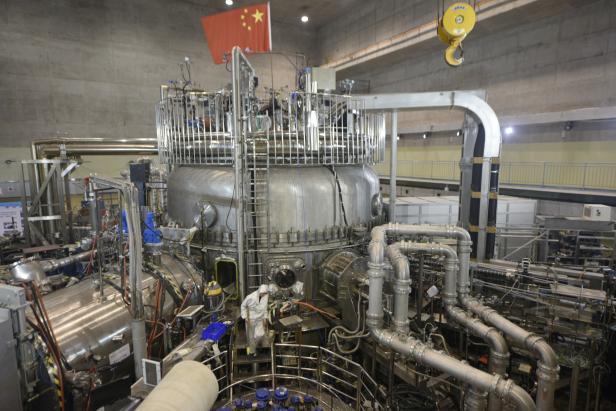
(10, 218)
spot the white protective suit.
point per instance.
(254, 310)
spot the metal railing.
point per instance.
(598, 176)
(337, 382)
(300, 128)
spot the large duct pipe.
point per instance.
(189, 386)
(35, 270)
(408, 346)
(499, 352)
(376, 265)
(547, 364)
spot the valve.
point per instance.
(453, 27)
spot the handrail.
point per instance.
(584, 175)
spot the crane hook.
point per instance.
(457, 22)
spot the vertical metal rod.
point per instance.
(573, 387)
(393, 166)
(237, 155)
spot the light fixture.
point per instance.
(458, 133)
(424, 136)
(229, 2)
(509, 130)
(568, 125)
(304, 19)
(397, 137)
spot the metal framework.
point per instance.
(336, 381)
(47, 217)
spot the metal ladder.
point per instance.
(256, 208)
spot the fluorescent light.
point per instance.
(304, 19)
(509, 130)
(229, 2)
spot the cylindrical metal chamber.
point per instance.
(89, 329)
(302, 214)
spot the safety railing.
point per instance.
(337, 382)
(597, 176)
(300, 128)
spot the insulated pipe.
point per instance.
(547, 364)
(402, 287)
(189, 386)
(34, 270)
(376, 266)
(479, 110)
(499, 352)
(493, 384)
(135, 276)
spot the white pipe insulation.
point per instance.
(189, 386)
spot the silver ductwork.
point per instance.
(494, 384)
(547, 370)
(499, 352)
(35, 270)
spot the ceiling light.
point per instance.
(229, 2)
(509, 130)
(304, 19)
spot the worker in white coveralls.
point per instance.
(254, 312)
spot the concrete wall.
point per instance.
(92, 68)
(559, 58)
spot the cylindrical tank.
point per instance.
(306, 212)
(86, 326)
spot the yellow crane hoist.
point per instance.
(453, 27)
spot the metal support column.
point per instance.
(393, 171)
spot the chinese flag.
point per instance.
(249, 28)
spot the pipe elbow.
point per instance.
(460, 233)
(522, 400)
(497, 342)
(543, 350)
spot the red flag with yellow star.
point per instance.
(246, 27)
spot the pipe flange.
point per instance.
(547, 373)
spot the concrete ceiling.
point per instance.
(320, 12)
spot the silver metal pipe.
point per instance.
(41, 149)
(393, 170)
(376, 267)
(34, 270)
(135, 276)
(496, 384)
(402, 287)
(499, 352)
(547, 364)
(473, 104)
